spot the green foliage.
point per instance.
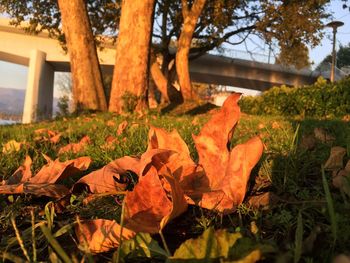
(321, 99)
(298, 239)
(45, 15)
(330, 206)
(343, 58)
(63, 105)
(55, 245)
(142, 245)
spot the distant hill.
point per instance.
(12, 101)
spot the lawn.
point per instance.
(293, 210)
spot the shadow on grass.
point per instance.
(191, 108)
(201, 109)
(292, 172)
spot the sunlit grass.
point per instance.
(286, 169)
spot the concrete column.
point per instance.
(39, 93)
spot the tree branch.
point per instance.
(185, 10)
(218, 41)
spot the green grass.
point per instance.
(293, 174)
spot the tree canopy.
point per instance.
(45, 15)
(287, 25)
(343, 57)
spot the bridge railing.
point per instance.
(240, 54)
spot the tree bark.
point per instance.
(190, 17)
(159, 79)
(133, 45)
(88, 93)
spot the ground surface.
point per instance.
(297, 219)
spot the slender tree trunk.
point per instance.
(133, 45)
(88, 90)
(190, 17)
(159, 79)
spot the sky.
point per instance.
(15, 76)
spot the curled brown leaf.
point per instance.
(111, 178)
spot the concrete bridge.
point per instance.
(44, 56)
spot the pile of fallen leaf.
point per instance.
(168, 179)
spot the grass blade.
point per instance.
(64, 229)
(11, 257)
(330, 206)
(293, 145)
(298, 238)
(33, 235)
(55, 245)
(20, 240)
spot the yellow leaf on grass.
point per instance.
(12, 146)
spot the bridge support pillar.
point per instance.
(39, 93)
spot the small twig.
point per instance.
(19, 239)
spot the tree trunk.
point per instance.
(190, 17)
(88, 90)
(130, 72)
(159, 78)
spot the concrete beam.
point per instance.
(39, 93)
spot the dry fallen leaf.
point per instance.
(56, 170)
(212, 142)
(219, 181)
(148, 207)
(341, 258)
(180, 164)
(47, 135)
(110, 143)
(323, 136)
(44, 182)
(121, 127)
(168, 177)
(261, 126)
(87, 119)
(346, 118)
(134, 126)
(51, 190)
(195, 121)
(341, 180)
(335, 159)
(265, 201)
(22, 174)
(76, 147)
(101, 235)
(226, 170)
(111, 178)
(275, 125)
(243, 158)
(308, 142)
(111, 123)
(347, 166)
